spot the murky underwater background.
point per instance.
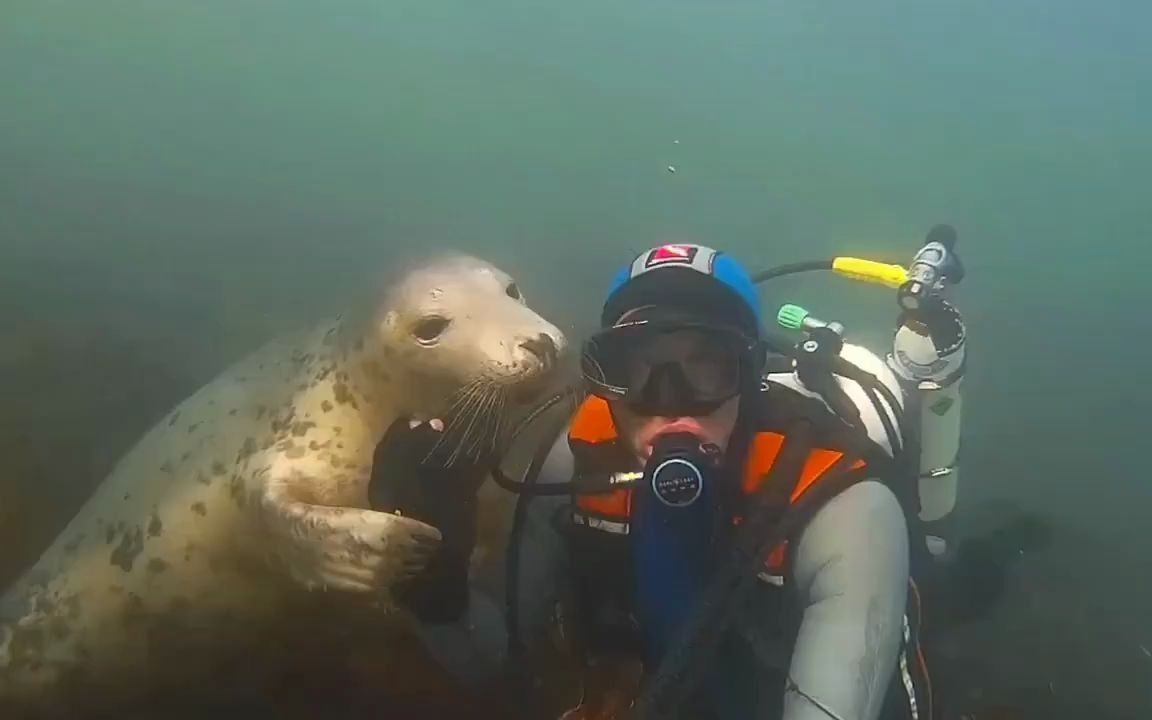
(179, 181)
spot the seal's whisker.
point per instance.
(474, 406)
(475, 421)
(493, 422)
(489, 420)
(449, 435)
(471, 397)
(465, 397)
(500, 424)
(497, 420)
(477, 412)
(461, 396)
(487, 432)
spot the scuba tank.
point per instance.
(928, 356)
(933, 378)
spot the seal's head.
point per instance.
(457, 337)
(458, 319)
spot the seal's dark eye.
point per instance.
(512, 291)
(430, 328)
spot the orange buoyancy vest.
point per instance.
(596, 444)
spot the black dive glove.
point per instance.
(410, 475)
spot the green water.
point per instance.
(191, 176)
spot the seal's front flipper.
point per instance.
(343, 548)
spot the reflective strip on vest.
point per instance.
(609, 526)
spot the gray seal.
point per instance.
(254, 488)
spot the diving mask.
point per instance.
(670, 368)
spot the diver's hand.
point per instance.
(410, 478)
(406, 469)
(411, 474)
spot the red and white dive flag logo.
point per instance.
(672, 254)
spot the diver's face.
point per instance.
(709, 367)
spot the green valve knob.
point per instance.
(791, 317)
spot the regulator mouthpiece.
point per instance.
(678, 466)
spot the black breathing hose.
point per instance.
(524, 490)
(791, 269)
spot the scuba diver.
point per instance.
(737, 524)
(732, 525)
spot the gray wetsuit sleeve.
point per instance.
(851, 573)
(542, 557)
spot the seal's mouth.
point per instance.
(473, 421)
(478, 415)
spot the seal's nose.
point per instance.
(543, 347)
